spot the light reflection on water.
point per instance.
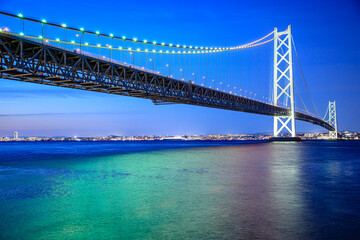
(257, 191)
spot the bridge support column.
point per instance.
(283, 82)
(332, 120)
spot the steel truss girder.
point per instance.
(25, 60)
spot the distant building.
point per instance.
(16, 135)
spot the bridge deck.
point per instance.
(27, 60)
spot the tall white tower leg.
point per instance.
(332, 120)
(283, 81)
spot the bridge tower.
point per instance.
(283, 81)
(332, 120)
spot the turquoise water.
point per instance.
(138, 190)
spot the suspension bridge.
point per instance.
(255, 77)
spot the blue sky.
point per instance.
(326, 35)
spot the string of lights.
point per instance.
(120, 48)
(135, 40)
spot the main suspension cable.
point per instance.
(302, 73)
(301, 99)
(326, 113)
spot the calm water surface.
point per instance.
(186, 190)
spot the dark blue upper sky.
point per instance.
(327, 34)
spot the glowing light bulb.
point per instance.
(97, 32)
(20, 15)
(82, 29)
(43, 21)
(63, 25)
(111, 35)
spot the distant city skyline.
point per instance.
(16, 136)
(322, 32)
(261, 136)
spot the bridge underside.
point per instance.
(30, 61)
